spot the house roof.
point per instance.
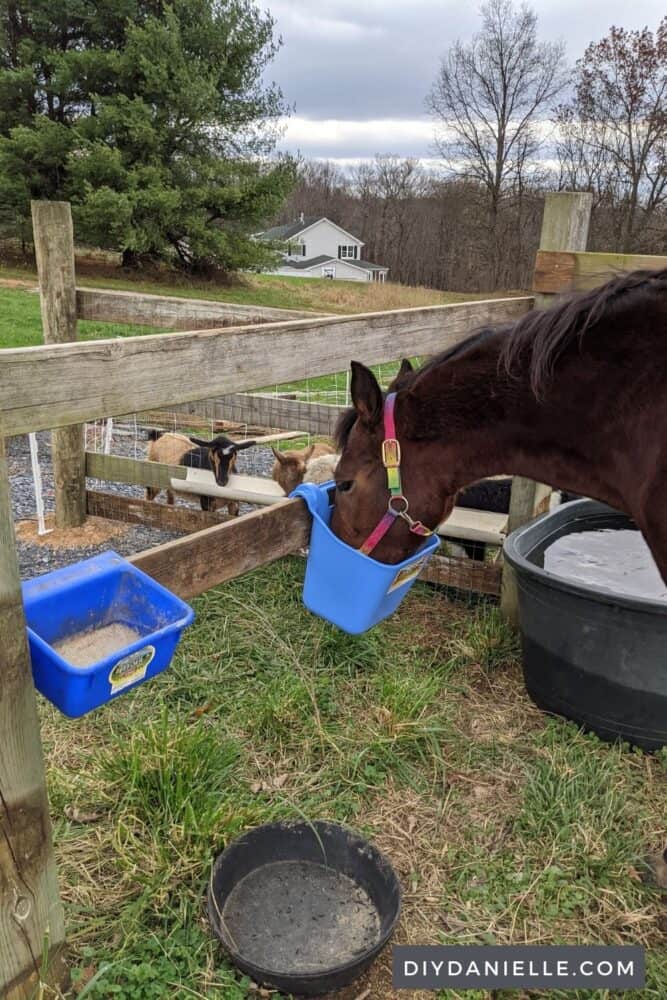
(305, 265)
(285, 232)
(290, 229)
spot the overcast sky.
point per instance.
(357, 71)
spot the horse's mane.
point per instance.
(344, 425)
(547, 334)
(543, 334)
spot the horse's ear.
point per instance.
(366, 394)
(405, 369)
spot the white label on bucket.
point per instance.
(406, 574)
(131, 669)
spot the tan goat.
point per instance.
(289, 467)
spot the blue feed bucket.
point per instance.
(344, 586)
(77, 603)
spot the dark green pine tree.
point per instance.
(151, 118)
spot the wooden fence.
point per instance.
(64, 384)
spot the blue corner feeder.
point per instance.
(112, 627)
(342, 585)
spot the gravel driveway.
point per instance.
(36, 559)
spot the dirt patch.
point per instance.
(95, 531)
(17, 283)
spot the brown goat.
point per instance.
(290, 466)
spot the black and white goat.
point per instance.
(217, 455)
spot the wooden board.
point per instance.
(134, 471)
(149, 512)
(270, 411)
(44, 387)
(30, 906)
(475, 525)
(54, 252)
(172, 312)
(247, 489)
(578, 272)
(190, 566)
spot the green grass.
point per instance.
(504, 825)
(21, 324)
(308, 294)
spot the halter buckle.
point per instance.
(391, 453)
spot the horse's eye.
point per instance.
(345, 486)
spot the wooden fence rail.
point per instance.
(268, 411)
(578, 272)
(172, 312)
(45, 387)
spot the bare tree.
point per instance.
(612, 135)
(491, 97)
(491, 101)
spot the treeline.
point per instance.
(442, 234)
(512, 121)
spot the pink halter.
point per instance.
(391, 459)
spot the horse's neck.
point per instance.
(481, 422)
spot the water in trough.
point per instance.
(617, 561)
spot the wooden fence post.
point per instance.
(54, 249)
(565, 225)
(31, 914)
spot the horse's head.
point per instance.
(362, 493)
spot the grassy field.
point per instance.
(21, 324)
(310, 294)
(504, 825)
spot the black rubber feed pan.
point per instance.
(303, 907)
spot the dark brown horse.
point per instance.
(575, 396)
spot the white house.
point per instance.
(315, 247)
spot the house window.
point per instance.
(296, 249)
(328, 272)
(348, 252)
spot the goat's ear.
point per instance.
(366, 394)
(200, 443)
(308, 452)
(279, 455)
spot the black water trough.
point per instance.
(596, 657)
(303, 907)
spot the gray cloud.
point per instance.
(368, 60)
